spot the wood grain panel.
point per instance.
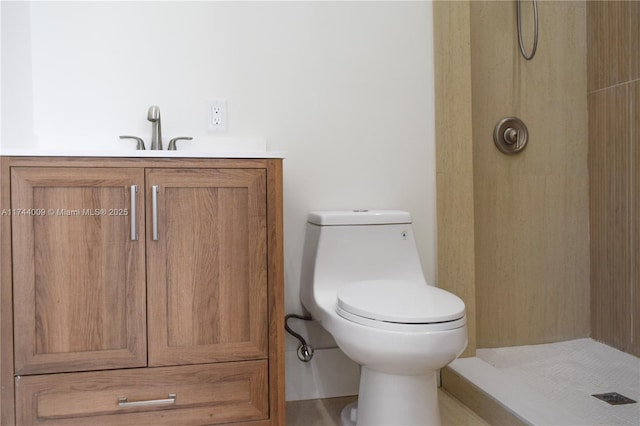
(530, 256)
(275, 296)
(233, 195)
(531, 209)
(7, 416)
(141, 162)
(209, 226)
(608, 37)
(205, 394)
(454, 157)
(78, 307)
(78, 278)
(609, 165)
(208, 271)
(634, 48)
(614, 58)
(635, 199)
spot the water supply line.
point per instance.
(305, 352)
(528, 56)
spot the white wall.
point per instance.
(344, 88)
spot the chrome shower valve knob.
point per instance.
(510, 135)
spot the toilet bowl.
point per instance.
(363, 282)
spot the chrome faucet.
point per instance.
(153, 115)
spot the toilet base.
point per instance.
(389, 399)
(349, 414)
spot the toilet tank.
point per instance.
(346, 246)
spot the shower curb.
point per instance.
(501, 400)
(477, 400)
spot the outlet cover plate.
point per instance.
(217, 115)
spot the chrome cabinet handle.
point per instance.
(154, 211)
(134, 230)
(124, 403)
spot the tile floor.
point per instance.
(326, 412)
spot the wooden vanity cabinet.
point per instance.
(143, 291)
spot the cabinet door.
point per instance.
(207, 269)
(78, 277)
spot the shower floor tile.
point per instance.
(571, 372)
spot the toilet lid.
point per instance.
(400, 302)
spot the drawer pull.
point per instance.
(134, 229)
(154, 211)
(123, 403)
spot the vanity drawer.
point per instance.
(182, 395)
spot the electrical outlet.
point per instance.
(217, 115)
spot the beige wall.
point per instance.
(530, 278)
(613, 30)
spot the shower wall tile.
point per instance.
(454, 157)
(530, 259)
(608, 37)
(531, 209)
(614, 160)
(567, 227)
(635, 194)
(456, 266)
(634, 17)
(506, 300)
(453, 86)
(609, 165)
(547, 93)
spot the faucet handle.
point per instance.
(172, 143)
(140, 145)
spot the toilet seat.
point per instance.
(400, 305)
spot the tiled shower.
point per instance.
(543, 246)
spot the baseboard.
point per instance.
(329, 374)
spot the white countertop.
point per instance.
(140, 154)
(102, 146)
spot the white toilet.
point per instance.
(362, 281)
